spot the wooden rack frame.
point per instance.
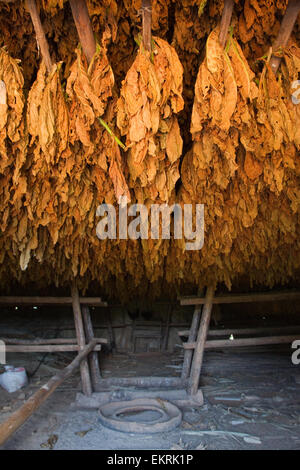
(197, 341)
(89, 367)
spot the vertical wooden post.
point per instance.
(188, 353)
(110, 329)
(84, 368)
(285, 31)
(93, 356)
(147, 23)
(225, 21)
(199, 349)
(40, 35)
(166, 335)
(84, 28)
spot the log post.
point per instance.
(201, 339)
(39, 31)
(147, 23)
(35, 401)
(84, 368)
(167, 331)
(192, 337)
(93, 356)
(225, 21)
(84, 28)
(285, 32)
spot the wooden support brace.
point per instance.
(201, 339)
(147, 23)
(227, 343)
(40, 35)
(192, 337)
(35, 401)
(285, 32)
(84, 367)
(36, 300)
(244, 298)
(225, 21)
(93, 356)
(167, 331)
(84, 28)
(38, 341)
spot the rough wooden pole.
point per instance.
(40, 35)
(167, 331)
(225, 21)
(35, 401)
(84, 28)
(93, 356)
(147, 23)
(84, 367)
(201, 339)
(192, 337)
(285, 31)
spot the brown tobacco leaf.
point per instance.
(47, 115)
(89, 89)
(151, 96)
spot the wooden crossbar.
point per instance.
(243, 298)
(260, 341)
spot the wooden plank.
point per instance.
(245, 331)
(93, 356)
(285, 32)
(193, 383)
(36, 300)
(19, 417)
(37, 341)
(40, 35)
(45, 348)
(188, 354)
(243, 298)
(84, 28)
(84, 367)
(260, 341)
(143, 382)
(225, 21)
(147, 23)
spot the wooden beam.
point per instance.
(93, 356)
(260, 341)
(245, 331)
(167, 330)
(40, 35)
(286, 28)
(225, 21)
(38, 341)
(35, 401)
(193, 383)
(84, 367)
(45, 348)
(84, 28)
(35, 300)
(244, 298)
(143, 382)
(188, 354)
(147, 23)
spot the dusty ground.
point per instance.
(251, 401)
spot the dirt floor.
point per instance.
(251, 401)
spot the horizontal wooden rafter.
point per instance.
(225, 343)
(243, 298)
